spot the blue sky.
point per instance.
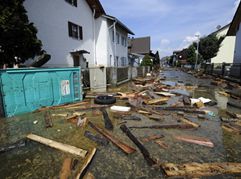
(172, 24)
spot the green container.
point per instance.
(25, 90)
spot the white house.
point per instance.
(235, 30)
(111, 42)
(77, 32)
(226, 50)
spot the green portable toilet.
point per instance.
(25, 90)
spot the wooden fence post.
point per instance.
(212, 66)
(223, 69)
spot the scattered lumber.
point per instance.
(162, 144)
(199, 170)
(107, 121)
(150, 138)
(132, 117)
(140, 146)
(48, 120)
(196, 140)
(188, 121)
(57, 145)
(86, 163)
(124, 147)
(164, 126)
(157, 101)
(66, 169)
(98, 139)
(8, 147)
(184, 109)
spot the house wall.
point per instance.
(102, 36)
(51, 19)
(122, 51)
(237, 52)
(226, 51)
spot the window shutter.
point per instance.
(75, 3)
(80, 33)
(70, 29)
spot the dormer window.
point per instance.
(72, 2)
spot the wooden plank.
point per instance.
(199, 170)
(150, 138)
(65, 171)
(57, 145)
(124, 147)
(196, 140)
(86, 163)
(164, 126)
(188, 121)
(162, 144)
(140, 146)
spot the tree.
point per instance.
(209, 46)
(191, 54)
(147, 61)
(18, 39)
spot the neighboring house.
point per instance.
(111, 42)
(78, 33)
(235, 30)
(138, 48)
(226, 50)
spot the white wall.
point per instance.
(226, 51)
(101, 33)
(122, 51)
(51, 19)
(237, 52)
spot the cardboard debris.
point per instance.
(120, 108)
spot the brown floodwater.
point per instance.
(38, 161)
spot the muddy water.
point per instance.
(38, 161)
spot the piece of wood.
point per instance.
(166, 94)
(98, 139)
(164, 126)
(156, 117)
(86, 163)
(150, 138)
(66, 169)
(107, 121)
(234, 104)
(201, 169)
(188, 121)
(157, 101)
(196, 140)
(140, 146)
(124, 147)
(162, 144)
(223, 93)
(184, 109)
(60, 115)
(57, 145)
(232, 129)
(132, 117)
(9, 147)
(89, 176)
(74, 164)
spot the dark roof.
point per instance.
(235, 23)
(140, 45)
(123, 26)
(95, 4)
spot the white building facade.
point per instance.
(75, 34)
(226, 50)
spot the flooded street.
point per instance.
(38, 161)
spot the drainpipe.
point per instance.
(93, 21)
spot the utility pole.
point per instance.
(197, 35)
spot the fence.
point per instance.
(225, 70)
(116, 75)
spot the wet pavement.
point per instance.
(38, 161)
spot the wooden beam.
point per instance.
(57, 145)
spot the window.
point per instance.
(75, 31)
(125, 42)
(113, 36)
(72, 2)
(117, 38)
(122, 41)
(123, 61)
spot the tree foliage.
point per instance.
(147, 61)
(209, 46)
(18, 40)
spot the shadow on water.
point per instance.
(38, 161)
